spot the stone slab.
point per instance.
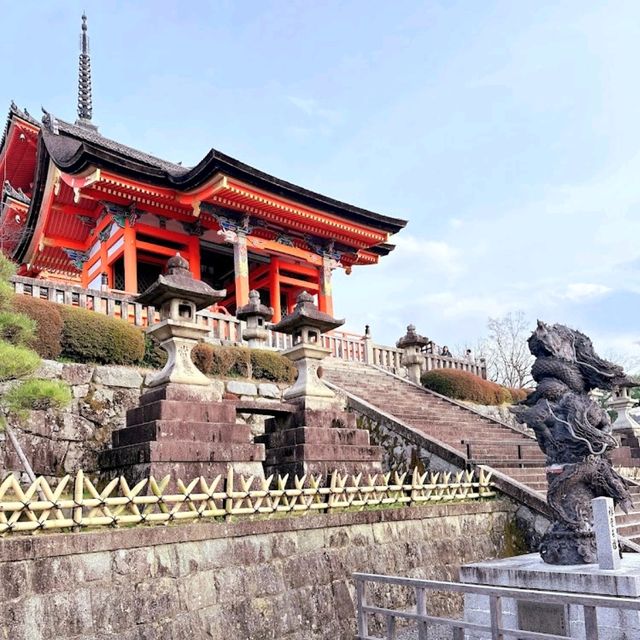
(114, 376)
(269, 390)
(530, 572)
(184, 393)
(242, 388)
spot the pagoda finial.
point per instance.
(85, 104)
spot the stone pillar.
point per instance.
(369, 356)
(241, 269)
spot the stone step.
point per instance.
(322, 452)
(176, 410)
(310, 435)
(180, 451)
(157, 430)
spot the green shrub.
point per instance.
(16, 361)
(224, 362)
(155, 357)
(16, 328)
(48, 334)
(270, 365)
(240, 362)
(462, 385)
(38, 394)
(88, 336)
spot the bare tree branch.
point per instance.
(507, 352)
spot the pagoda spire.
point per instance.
(85, 104)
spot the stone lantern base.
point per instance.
(185, 431)
(318, 442)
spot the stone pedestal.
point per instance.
(530, 572)
(308, 390)
(318, 442)
(178, 340)
(185, 431)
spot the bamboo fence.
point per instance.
(75, 503)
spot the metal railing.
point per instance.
(495, 626)
(227, 328)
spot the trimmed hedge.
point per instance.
(88, 336)
(225, 362)
(270, 365)
(48, 333)
(462, 385)
(241, 362)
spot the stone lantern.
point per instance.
(625, 426)
(178, 296)
(412, 356)
(256, 315)
(181, 426)
(325, 436)
(306, 324)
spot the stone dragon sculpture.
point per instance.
(574, 432)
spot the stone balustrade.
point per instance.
(227, 329)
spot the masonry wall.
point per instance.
(61, 442)
(284, 579)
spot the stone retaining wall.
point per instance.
(284, 579)
(61, 442)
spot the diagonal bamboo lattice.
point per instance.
(76, 504)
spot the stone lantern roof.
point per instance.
(412, 339)
(180, 283)
(306, 314)
(254, 308)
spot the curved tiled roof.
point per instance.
(75, 148)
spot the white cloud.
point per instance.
(429, 257)
(580, 291)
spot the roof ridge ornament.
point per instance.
(85, 101)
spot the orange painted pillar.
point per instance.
(325, 297)
(241, 269)
(194, 257)
(274, 289)
(130, 259)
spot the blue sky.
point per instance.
(507, 133)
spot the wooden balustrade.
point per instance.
(228, 329)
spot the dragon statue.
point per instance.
(574, 432)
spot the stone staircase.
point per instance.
(477, 439)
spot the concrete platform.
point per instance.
(530, 572)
